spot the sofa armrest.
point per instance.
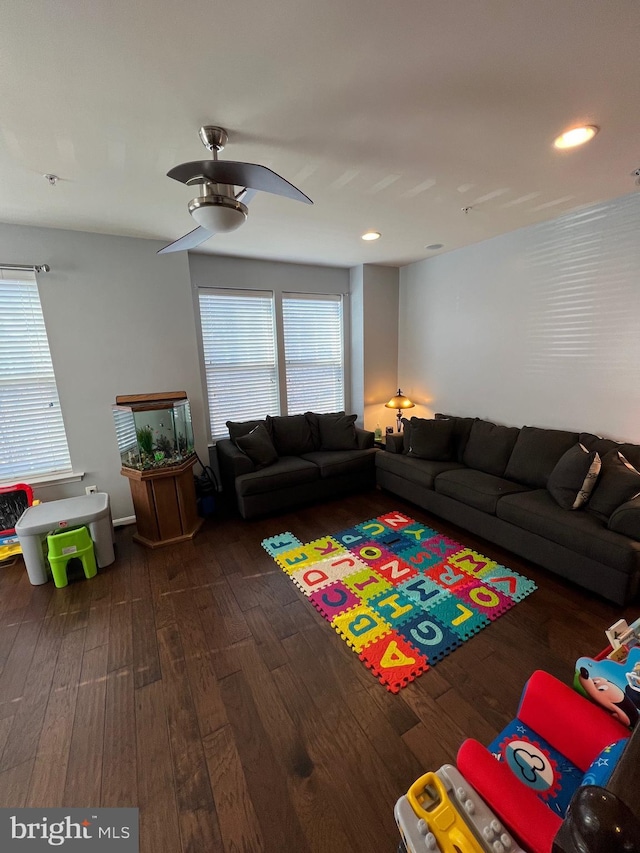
(232, 463)
(365, 438)
(394, 442)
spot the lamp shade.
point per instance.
(399, 402)
(218, 214)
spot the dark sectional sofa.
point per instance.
(516, 487)
(281, 462)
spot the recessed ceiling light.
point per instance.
(576, 136)
(371, 235)
(433, 246)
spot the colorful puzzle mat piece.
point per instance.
(400, 594)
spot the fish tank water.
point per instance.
(153, 430)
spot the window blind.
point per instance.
(313, 343)
(32, 435)
(239, 348)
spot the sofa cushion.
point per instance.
(475, 488)
(431, 439)
(258, 446)
(536, 453)
(334, 463)
(337, 432)
(239, 428)
(626, 519)
(461, 430)
(422, 472)
(312, 420)
(286, 472)
(489, 447)
(291, 434)
(581, 532)
(572, 480)
(618, 483)
(595, 442)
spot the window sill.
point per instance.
(47, 479)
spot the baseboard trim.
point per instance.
(121, 522)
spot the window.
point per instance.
(33, 442)
(313, 352)
(256, 365)
(238, 342)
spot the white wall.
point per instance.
(539, 327)
(120, 321)
(380, 312)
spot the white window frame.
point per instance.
(33, 443)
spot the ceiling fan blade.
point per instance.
(246, 195)
(238, 174)
(189, 241)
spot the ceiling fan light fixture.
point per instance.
(371, 235)
(218, 213)
(576, 136)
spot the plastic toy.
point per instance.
(538, 762)
(615, 686)
(442, 812)
(13, 502)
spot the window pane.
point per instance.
(313, 353)
(32, 436)
(238, 340)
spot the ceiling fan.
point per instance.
(218, 207)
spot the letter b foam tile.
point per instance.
(393, 661)
(360, 626)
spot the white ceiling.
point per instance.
(390, 114)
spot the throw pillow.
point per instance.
(626, 519)
(291, 434)
(406, 434)
(337, 432)
(489, 447)
(536, 454)
(460, 434)
(238, 428)
(572, 480)
(258, 446)
(618, 483)
(312, 420)
(431, 439)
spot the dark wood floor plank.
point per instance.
(84, 771)
(159, 827)
(199, 827)
(100, 609)
(14, 785)
(120, 626)
(18, 661)
(46, 787)
(119, 764)
(239, 825)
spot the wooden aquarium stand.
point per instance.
(164, 501)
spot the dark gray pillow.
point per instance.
(291, 434)
(626, 519)
(238, 428)
(431, 439)
(597, 443)
(489, 447)
(572, 480)
(258, 446)
(536, 454)
(337, 432)
(618, 483)
(460, 433)
(312, 420)
(406, 434)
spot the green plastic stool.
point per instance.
(63, 546)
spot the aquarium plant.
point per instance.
(145, 439)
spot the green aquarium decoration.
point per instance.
(153, 430)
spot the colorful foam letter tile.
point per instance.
(334, 599)
(430, 637)
(471, 562)
(395, 607)
(295, 558)
(449, 576)
(275, 545)
(421, 557)
(350, 536)
(393, 661)
(325, 548)
(509, 583)
(395, 520)
(395, 570)
(360, 626)
(460, 616)
(485, 599)
(423, 590)
(367, 584)
(371, 553)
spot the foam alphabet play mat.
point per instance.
(399, 593)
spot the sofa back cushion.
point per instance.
(291, 434)
(536, 453)
(337, 432)
(572, 480)
(314, 426)
(431, 439)
(618, 483)
(489, 447)
(238, 428)
(626, 519)
(461, 429)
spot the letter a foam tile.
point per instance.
(393, 661)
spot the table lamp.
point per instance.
(399, 402)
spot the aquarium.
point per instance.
(153, 430)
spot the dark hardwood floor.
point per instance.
(197, 683)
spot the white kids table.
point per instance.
(37, 521)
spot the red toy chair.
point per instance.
(13, 502)
(552, 743)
